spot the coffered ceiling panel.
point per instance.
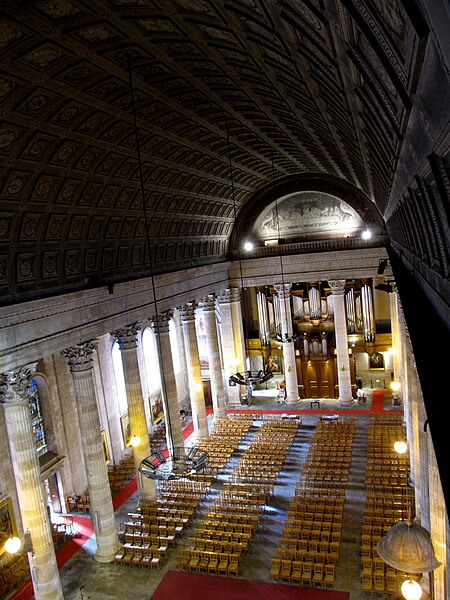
(321, 87)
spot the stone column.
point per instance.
(187, 312)
(27, 473)
(127, 339)
(238, 328)
(231, 363)
(79, 359)
(174, 434)
(290, 369)
(215, 367)
(340, 327)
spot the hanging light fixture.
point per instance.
(407, 547)
(411, 590)
(278, 337)
(177, 462)
(248, 378)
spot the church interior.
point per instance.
(224, 299)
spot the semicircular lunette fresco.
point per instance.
(304, 214)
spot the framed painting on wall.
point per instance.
(126, 433)
(376, 361)
(105, 447)
(274, 364)
(156, 407)
(7, 523)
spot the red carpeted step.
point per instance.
(190, 586)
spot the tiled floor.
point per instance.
(83, 578)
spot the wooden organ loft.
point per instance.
(312, 310)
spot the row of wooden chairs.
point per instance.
(386, 503)
(243, 497)
(144, 556)
(12, 573)
(311, 535)
(202, 561)
(303, 573)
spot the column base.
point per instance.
(290, 401)
(345, 401)
(104, 558)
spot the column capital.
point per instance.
(283, 290)
(229, 295)
(79, 357)
(160, 322)
(208, 303)
(187, 311)
(14, 384)
(337, 286)
(127, 336)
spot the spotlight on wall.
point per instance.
(382, 266)
(385, 287)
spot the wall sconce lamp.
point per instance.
(14, 544)
(135, 440)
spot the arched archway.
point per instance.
(326, 192)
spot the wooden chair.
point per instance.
(222, 568)
(330, 576)
(213, 564)
(193, 561)
(233, 564)
(379, 583)
(276, 567)
(296, 573)
(317, 579)
(307, 573)
(203, 563)
(285, 570)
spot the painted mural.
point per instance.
(305, 213)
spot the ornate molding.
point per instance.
(127, 336)
(79, 357)
(208, 303)
(187, 312)
(283, 290)
(160, 323)
(337, 286)
(14, 384)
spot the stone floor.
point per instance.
(83, 578)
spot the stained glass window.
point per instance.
(36, 418)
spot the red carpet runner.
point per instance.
(378, 401)
(190, 586)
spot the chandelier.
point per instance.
(181, 463)
(247, 378)
(176, 462)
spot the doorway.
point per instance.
(53, 495)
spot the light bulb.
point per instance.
(248, 246)
(400, 447)
(366, 235)
(395, 386)
(13, 544)
(411, 590)
(135, 440)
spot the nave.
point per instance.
(83, 577)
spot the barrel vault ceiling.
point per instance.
(312, 86)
